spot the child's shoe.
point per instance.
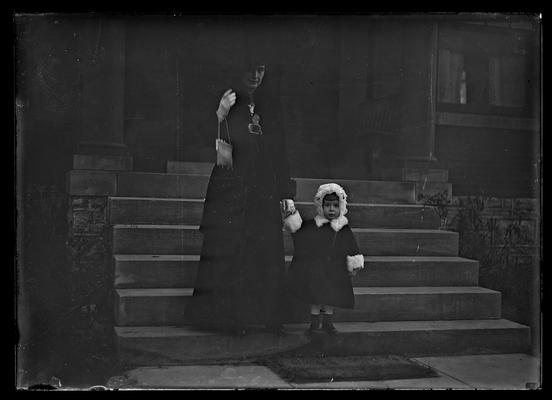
(275, 329)
(315, 323)
(327, 325)
(235, 330)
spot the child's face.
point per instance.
(331, 208)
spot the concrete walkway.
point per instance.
(490, 372)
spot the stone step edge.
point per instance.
(359, 230)
(342, 327)
(323, 180)
(302, 203)
(288, 258)
(358, 291)
(298, 180)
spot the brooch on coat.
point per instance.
(255, 126)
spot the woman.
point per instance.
(241, 269)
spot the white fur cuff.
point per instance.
(355, 263)
(293, 222)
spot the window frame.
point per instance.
(478, 44)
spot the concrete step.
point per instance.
(102, 162)
(175, 271)
(165, 306)
(187, 167)
(485, 336)
(168, 345)
(420, 303)
(400, 242)
(145, 210)
(155, 210)
(91, 183)
(144, 184)
(413, 174)
(155, 271)
(379, 192)
(417, 271)
(186, 239)
(157, 239)
(392, 216)
(193, 186)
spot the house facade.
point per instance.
(454, 99)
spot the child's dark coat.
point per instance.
(318, 273)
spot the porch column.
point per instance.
(102, 45)
(354, 59)
(418, 91)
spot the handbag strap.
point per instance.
(227, 131)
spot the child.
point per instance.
(326, 255)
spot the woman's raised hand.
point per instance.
(226, 102)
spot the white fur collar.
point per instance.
(336, 224)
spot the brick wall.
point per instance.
(512, 224)
(89, 248)
(504, 236)
(64, 287)
(42, 280)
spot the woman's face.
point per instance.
(254, 77)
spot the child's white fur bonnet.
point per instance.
(324, 190)
(293, 222)
(329, 188)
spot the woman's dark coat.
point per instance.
(318, 273)
(241, 269)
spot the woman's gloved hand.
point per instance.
(291, 217)
(226, 102)
(287, 208)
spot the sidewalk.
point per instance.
(497, 371)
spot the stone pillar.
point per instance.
(102, 45)
(355, 43)
(354, 60)
(418, 92)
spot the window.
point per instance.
(507, 81)
(484, 70)
(452, 77)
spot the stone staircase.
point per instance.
(415, 296)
